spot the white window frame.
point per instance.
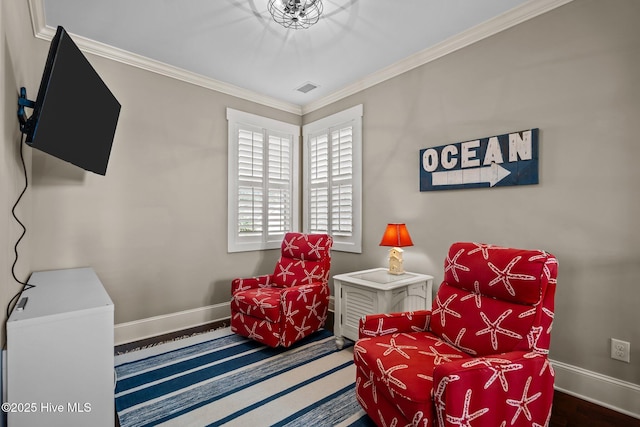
(350, 117)
(240, 120)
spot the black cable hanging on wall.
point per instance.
(25, 285)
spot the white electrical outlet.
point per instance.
(620, 350)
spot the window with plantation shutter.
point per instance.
(263, 166)
(332, 181)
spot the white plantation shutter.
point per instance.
(318, 203)
(342, 182)
(279, 186)
(263, 164)
(250, 181)
(333, 178)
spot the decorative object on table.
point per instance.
(295, 14)
(397, 236)
(496, 161)
(281, 308)
(479, 358)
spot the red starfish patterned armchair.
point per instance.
(479, 358)
(281, 308)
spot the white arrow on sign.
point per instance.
(491, 174)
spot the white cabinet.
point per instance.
(376, 291)
(60, 353)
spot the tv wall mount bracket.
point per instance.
(25, 123)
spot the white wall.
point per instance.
(14, 75)
(573, 73)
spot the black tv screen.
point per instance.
(75, 114)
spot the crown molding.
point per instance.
(38, 20)
(509, 19)
(44, 32)
(522, 13)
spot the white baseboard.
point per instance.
(158, 325)
(612, 393)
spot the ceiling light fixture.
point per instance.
(295, 14)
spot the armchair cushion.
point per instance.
(495, 299)
(514, 275)
(404, 364)
(262, 302)
(304, 260)
(480, 325)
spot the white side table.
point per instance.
(376, 291)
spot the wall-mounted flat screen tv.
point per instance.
(75, 114)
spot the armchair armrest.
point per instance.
(375, 325)
(242, 284)
(521, 381)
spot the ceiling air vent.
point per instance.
(307, 87)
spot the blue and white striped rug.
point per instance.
(220, 378)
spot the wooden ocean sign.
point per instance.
(496, 161)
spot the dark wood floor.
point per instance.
(568, 411)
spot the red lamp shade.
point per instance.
(396, 235)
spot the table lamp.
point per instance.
(396, 236)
